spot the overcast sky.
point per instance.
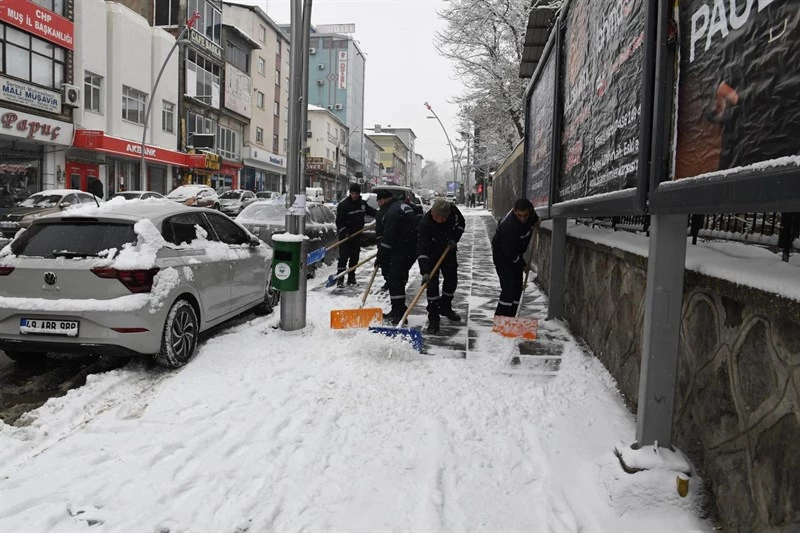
(403, 69)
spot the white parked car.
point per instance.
(138, 195)
(128, 278)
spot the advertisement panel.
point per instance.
(238, 88)
(342, 70)
(29, 95)
(452, 186)
(539, 135)
(602, 88)
(738, 85)
(38, 21)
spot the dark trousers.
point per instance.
(348, 253)
(402, 259)
(510, 286)
(449, 271)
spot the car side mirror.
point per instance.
(64, 205)
(254, 241)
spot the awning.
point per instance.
(99, 141)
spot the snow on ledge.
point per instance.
(288, 237)
(652, 458)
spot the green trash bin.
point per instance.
(287, 261)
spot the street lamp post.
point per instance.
(178, 41)
(449, 143)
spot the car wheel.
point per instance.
(26, 358)
(272, 298)
(179, 338)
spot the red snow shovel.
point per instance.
(358, 318)
(514, 326)
(413, 335)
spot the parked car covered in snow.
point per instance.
(232, 202)
(41, 204)
(265, 217)
(195, 195)
(138, 195)
(128, 278)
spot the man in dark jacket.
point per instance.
(95, 187)
(396, 249)
(441, 226)
(349, 219)
(508, 248)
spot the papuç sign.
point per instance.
(34, 128)
(38, 21)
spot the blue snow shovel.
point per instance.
(319, 254)
(412, 335)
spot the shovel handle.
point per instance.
(340, 274)
(424, 286)
(337, 243)
(369, 286)
(527, 270)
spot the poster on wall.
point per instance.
(602, 85)
(738, 85)
(539, 135)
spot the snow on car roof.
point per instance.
(62, 192)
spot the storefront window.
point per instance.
(19, 178)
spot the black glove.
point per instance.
(425, 279)
(452, 244)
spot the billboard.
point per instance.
(602, 92)
(738, 86)
(539, 135)
(452, 186)
(238, 90)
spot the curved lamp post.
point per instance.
(449, 143)
(178, 41)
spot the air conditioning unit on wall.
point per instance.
(312, 51)
(320, 82)
(71, 95)
(338, 107)
(330, 107)
(321, 66)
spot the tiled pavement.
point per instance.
(475, 300)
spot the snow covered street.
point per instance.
(326, 430)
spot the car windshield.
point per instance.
(266, 213)
(266, 195)
(41, 200)
(72, 239)
(231, 195)
(128, 195)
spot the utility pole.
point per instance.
(178, 41)
(293, 303)
(449, 144)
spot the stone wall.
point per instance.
(737, 405)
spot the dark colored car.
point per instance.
(265, 217)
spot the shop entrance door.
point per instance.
(79, 175)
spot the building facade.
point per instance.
(372, 164)
(336, 67)
(37, 95)
(266, 137)
(393, 158)
(408, 137)
(326, 163)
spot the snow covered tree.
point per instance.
(484, 40)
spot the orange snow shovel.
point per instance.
(514, 326)
(358, 318)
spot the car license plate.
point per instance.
(9, 224)
(39, 326)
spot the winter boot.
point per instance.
(340, 281)
(433, 317)
(446, 309)
(351, 278)
(396, 314)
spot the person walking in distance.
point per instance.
(350, 214)
(508, 249)
(397, 249)
(442, 226)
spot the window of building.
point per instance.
(259, 135)
(278, 46)
(262, 66)
(56, 6)
(210, 20)
(327, 153)
(277, 78)
(275, 140)
(168, 116)
(285, 145)
(260, 99)
(167, 12)
(276, 109)
(342, 137)
(237, 57)
(202, 78)
(31, 59)
(228, 143)
(262, 34)
(92, 84)
(308, 125)
(133, 104)
(198, 124)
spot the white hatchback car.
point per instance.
(136, 277)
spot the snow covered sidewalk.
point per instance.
(325, 430)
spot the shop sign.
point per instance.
(238, 87)
(276, 160)
(229, 170)
(28, 95)
(38, 21)
(98, 140)
(36, 128)
(342, 70)
(208, 46)
(212, 162)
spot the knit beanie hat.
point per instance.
(440, 207)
